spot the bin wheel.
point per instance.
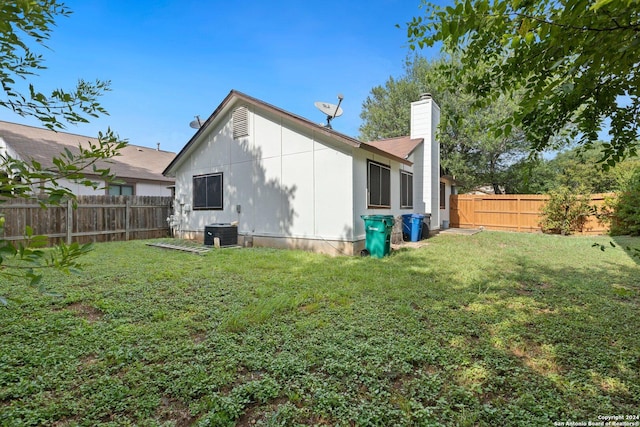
(364, 253)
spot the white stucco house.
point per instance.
(138, 169)
(291, 183)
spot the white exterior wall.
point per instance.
(83, 190)
(444, 213)
(284, 179)
(6, 150)
(140, 188)
(151, 189)
(360, 199)
(425, 117)
(417, 157)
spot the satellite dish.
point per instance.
(196, 124)
(331, 110)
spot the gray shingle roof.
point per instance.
(134, 162)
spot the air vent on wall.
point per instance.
(240, 122)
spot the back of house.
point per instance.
(291, 183)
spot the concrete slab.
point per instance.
(461, 231)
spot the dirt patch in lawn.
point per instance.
(86, 311)
(530, 288)
(88, 361)
(255, 412)
(198, 337)
(174, 411)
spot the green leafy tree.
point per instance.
(25, 25)
(566, 211)
(572, 168)
(625, 218)
(475, 157)
(577, 168)
(574, 64)
(532, 175)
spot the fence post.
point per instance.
(69, 221)
(473, 217)
(127, 216)
(518, 216)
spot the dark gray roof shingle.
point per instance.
(134, 162)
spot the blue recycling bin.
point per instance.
(412, 226)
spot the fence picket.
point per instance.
(96, 218)
(511, 212)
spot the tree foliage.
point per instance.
(625, 208)
(475, 156)
(573, 168)
(25, 26)
(574, 63)
(566, 211)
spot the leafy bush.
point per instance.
(566, 211)
(626, 208)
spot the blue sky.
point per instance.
(171, 60)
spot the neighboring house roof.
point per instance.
(235, 95)
(134, 162)
(399, 147)
(484, 190)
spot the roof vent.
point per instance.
(240, 122)
(425, 96)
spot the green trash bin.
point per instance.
(378, 235)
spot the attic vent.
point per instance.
(240, 122)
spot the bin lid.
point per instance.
(376, 217)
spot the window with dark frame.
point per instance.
(120, 190)
(379, 185)
(443, 196)
(207, 192)
(406, 190)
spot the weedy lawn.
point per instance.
(492, 329)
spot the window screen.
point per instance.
(120, 190)
(379, 185)
(207, 191)
(406, 189)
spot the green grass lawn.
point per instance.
(492, 329)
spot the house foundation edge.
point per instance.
(323, 246)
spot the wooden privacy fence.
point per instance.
(517, 212)
(95, 219)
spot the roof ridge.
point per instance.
(393, 137)
(297, 116)
(45, 129)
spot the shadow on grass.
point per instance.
(570, 329)
(630, 245)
